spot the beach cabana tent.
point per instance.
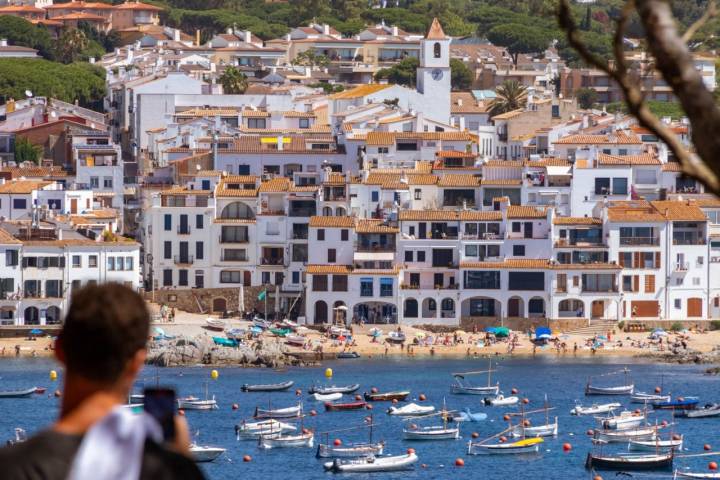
(543, 333)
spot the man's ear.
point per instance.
(60, 350)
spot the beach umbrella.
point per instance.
(36, 331)
(490, 330)
(602, 337)
(460, 332)
(159, 331)
(502, 332)
(341, 307)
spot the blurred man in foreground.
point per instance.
(102, 347)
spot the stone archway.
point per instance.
(52, 316)
(321, 312)
(516, 307)
(410, 309)
(32, 316)
(571, 307)
(219, 304)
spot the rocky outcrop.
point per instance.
(686, 356)
(201, 350)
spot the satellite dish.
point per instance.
(28, 93)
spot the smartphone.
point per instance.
(161, 405)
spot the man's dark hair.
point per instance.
(104, 328)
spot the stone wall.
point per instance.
(212, 300)
(523, 324)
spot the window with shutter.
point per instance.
(649, 283)
(576, 281)
(636, 283)
(657, 259)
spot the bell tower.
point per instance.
(433, 74)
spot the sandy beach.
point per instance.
(422, 343)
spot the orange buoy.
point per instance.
(422, 397)
(235, 406)
(567, 447)
(707, 447)
(459, 462)
(298, 392)
(658, 389)
(514, 391)
(506, 418)
(410, 451)
(358, 397)
(712, 466)
(503, 439)
(526, 401)
(597, 477)
(247, 458)
(475, 435)
(590, 432)
(313, 413)
(337, 442)
(374, 390)
(368, 407)
(636, 411)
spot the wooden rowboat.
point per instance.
(289, 412)
(269, 387)
(386, 396)
(354, 450)
(528, 445)
(662, 461)
(338, 407)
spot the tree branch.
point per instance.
(634, 97)
(692, 30)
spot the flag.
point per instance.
(262, 295)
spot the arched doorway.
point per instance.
(447, 308)
(321, 312)
(339, 313)
(516, 307)
(376, 312)
(32, 316)
(429, 308)
(536, 307)
(327, 212)
(52, 316)
(237, 211)
(219, 304)
(481, 307)
(571, 308)
(411, 308)
(340, 212)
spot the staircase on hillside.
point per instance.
(596, 327)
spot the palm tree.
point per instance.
(233, 81)
(70, 44)
(509, 96)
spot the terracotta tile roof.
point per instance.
(642, 159)
(328, 269)
(389, 138)
(80, 16)
(511, 263)
(480, 215)
(332, 222)
(672, 167)
(79, 6)
(548, 162)
(465, 102)
(255, 114)
(275, 185)
(296, 114)
(7, 239)
(620, 138)
(178, 190)
(208, 112)
(20, 9)
(507, 182)
(315, 131)
(135, 5)
(243, 221)
(374, 226)
(679, 210)
(17, 172)
(577, 221)
(504, 163)
(395, 186)
(707, 202)
(208, 173)
(303, 188)
(508, 115)
(223, 191)
(22, 186)
(633, 211)
(428, 215)
(336, 178)
(435, 32)
(359, 92)
(455, 154)
(394, 178)
(459, 180)
(525, 211)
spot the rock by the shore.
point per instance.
(687, 356)
(201, 350)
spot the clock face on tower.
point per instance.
(437, 74)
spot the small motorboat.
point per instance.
(40, 390)
(411, 410)
(709, 410)
(353, 450)
(547, 430)
(280, 332)
(18, 393)
(396, 337)
(20, 437)
(656, 445)
(432, 432)
(467, 416)
(237, 334)
(594, 409)
(623, 421)
(137, 398)
(295, 340)
(624, 462)
(679, 474)
(334, 389)
(269, 387)
(339, 407)
(289, 412)
(261, 324)
(215, 324)
(501, 401)
(194, 403)
(303, 439)
(225, 342)
(202, 453)
(253, 430)
(461, 386)
(681, 403)
(319, 397)
(627, 389)
(372, 464)
(528, 445)
(348, 355)
(625, 436)
(386, 396)
(640, 397)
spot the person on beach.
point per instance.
(102, 347)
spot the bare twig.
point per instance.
(634, 97)
(692, 30)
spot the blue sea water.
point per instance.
(561, 379)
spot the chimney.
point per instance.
(247, 36)
(395, 31)
(3, 42)
(176, 34)
(326, 29)
(229, 31)
(197, 37)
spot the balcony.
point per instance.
(681, 267)
(184, 259)
(375, 247)
(639, 241)
(592, 289)
(234, 258)
(301, 212)
(234, 239)
(300, 235)
(564, 242)
(502, 136)
(482, 236)
(688, 240)
(272, 261)
(183, 230)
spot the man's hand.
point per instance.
(181, 443)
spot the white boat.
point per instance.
(501, 401)
(252, 430)
(640, 397)
(624, 436)
(594, 409)
(215, 324)
(372, 464)
(288, 412)
(679, 474)
(28, 392)
(547, 430)
(467, 416)
(623, 421)
(136, 398)
(194, 403)
(354, 450)
(710, 410)
(202, 453)
(303, 439)
(627, 389)
(330, 397)
(656, 445)
(434, 432)
(528, 445)
(411, 410)
(460, 386)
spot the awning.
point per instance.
(555, 170)
(369, 256)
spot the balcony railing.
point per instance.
(273, 261)
(681, 266)
(375, 248)
(301, 212)
(637, 241)
(613, 289)
(183, 230)
(184, 259)
(482, 236)
(243, 258)
(300, 235)
(689, 241)
(241, 239)
(564, 242)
